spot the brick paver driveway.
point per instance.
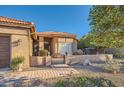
(57, 71)
(47, 73)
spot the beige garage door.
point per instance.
(4, 51)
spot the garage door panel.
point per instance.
(3, 61)
(4, 40)
(4, 47)
(4, 51)
(5, 56)
(2, 64)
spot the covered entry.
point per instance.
(4, 51)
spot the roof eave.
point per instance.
(29, 26)
(56, 35)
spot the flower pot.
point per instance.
(20, 67)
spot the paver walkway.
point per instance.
(44, 73)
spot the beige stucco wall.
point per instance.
(10, 30)
(41, 43)
(24, 48)
(56, 41)
(54, 45)
(67, 40)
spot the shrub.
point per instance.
(84, 82)
(119, 55)
(43, 52)
(16, 62)
(112, 67)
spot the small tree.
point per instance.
(107, 27)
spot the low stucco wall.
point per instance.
(40, 61)
(91, 58)
(37, 61)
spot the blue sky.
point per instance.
(72, 19)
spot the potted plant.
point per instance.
(16, 64)
(43, 52)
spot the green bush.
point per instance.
(119, 55)
(43, 52)
(112, 66)
(84, 82)
(16, 62)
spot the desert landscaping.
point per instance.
(30, 58)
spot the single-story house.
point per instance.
(57, 42)
(16, 39)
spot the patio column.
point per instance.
(74, 46)
(41, 43)
(55, 45)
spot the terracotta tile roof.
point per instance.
(13, 21)
(52, 33)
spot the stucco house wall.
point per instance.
(54, 45)
(20, 38)
(25, 45)
(57, 41)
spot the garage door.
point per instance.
(4, 51)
